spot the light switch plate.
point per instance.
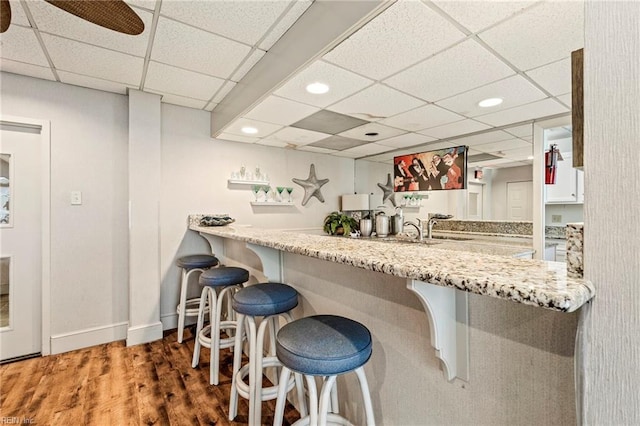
(76, 198)
(556, 218)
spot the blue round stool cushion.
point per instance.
(224, 276)
(323, 345)
(265, 299)
(197, 261)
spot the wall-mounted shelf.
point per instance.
(271, 203)
(248, 182)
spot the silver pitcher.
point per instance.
(397, 224)
(382, 225)
(366, 227)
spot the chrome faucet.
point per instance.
(430, 224)
(418, 225)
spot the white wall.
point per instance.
(195, 169)
(89, 243)
(570, 213)
(612, 223)
(499, 180)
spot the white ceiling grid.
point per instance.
(415, 72)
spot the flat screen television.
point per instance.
(436, 170)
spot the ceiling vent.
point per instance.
(481, 157)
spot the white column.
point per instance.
(144, 220)
(612, 222)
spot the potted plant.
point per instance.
(337, 223)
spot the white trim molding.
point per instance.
(93, 336)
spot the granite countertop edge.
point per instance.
(531, 282)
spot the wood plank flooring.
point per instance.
(150, 384)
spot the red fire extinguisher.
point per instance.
(551, 158)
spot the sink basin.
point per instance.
(393, 239)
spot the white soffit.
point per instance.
(291, 15)
(249, 62)
(169, 98)
(93, 83)
(543, 34)
(280, 111)
(379, 49)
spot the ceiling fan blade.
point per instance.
(113, 14)
(5, 15)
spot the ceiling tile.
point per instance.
(319, 150)
(514, 91)
(548, 32)
(406, 140)
(93, 83)
(346, 154)
(456, 70)
(383, 132)
(272, 142)
(298, 137)
(291, 16)
(53, 20)
(519, 154)
(145, 4)
(376, 102)
(497, 163)
(483, 138)
(337, 143)
(171, 80)
(342, 83)
(245, 21)
(328, 122)
(237, 138)
(224, 90)
(455, 129)
(20, 44)
(422, 118)
(530, 111)
(250, 61)
(521, 131)
(190, 48)
(210, 106)
(36, 71)
(477, 15)
(555, 77)
(502, 145)
(379, 49)
(69, 55)
(264, 129)
(565, 99)
(169, 98)
(435, 146)
(17, 14)
(366, 149)
(280, 111)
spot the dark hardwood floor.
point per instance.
(150, 384)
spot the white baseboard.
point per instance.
(170, 321)
(144, 333)
(66, 342)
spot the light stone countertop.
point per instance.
(480, 268)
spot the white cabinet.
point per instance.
(580, 186)
(565, 189)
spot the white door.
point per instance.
(520, 200)
(474, 201)
(20, 241)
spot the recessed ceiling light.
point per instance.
(486, 103)
(317, 88)
(249, 130)
(372, 134)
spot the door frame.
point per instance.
(45, 163)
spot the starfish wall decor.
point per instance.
(311, 186)
(387, 190)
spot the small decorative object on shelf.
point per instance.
(243, 176)
(271, 203)
(412, 200)
(289, 191)
(256, 190)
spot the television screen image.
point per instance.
(431, 170)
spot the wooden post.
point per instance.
(577, 107)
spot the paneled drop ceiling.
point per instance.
(413, 74)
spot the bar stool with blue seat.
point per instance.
(226, 279)
(194, 263)
(326, 346)
(271, 301)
